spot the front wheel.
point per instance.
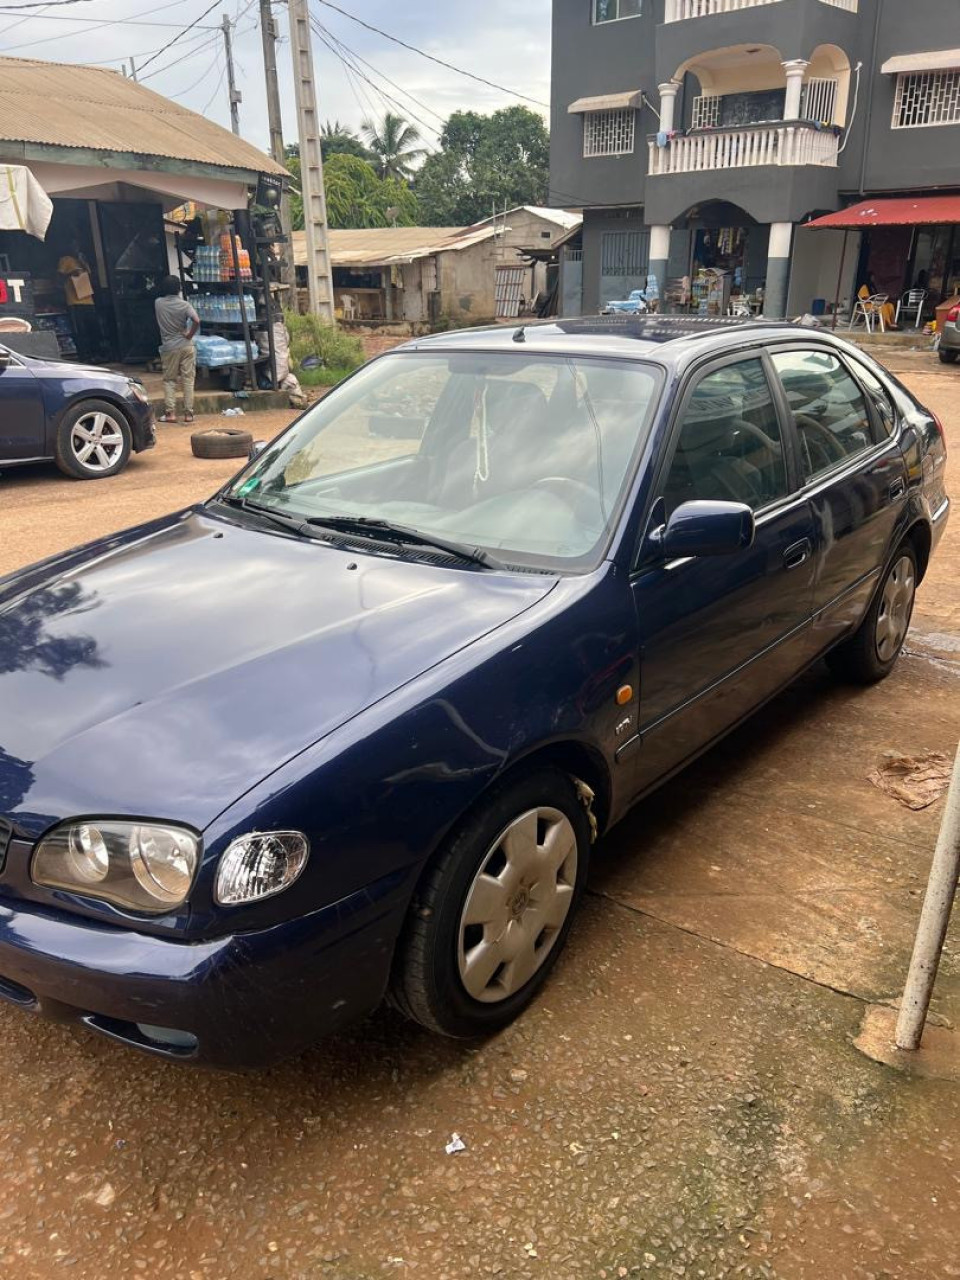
(948, 357)
(872, 651)
(493, 912)
(93, 441)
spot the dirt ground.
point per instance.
(684, 1100)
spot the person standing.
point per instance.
(178, 324)
(81, 303)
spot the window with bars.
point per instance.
(926, 98)
(609, 133)
(706, 112)
(614, 10)
(819, 100)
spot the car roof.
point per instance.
(673, 340)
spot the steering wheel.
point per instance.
(824, 442)
(582, 499)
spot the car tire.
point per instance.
(221, 442)
(93, 441)
(872, 651)
(488, 922)
(948, 357)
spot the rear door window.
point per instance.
(730, 447)
(828, 407)
(878, 393)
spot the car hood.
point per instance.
(165, 671)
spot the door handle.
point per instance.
(897, 489)
(797, 554)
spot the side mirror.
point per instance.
(257, 448)
(706, 529)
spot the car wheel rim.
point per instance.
(896, 607)
(97, 441)
(517, 904)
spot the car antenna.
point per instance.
(520, 335)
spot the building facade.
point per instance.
(700, 136)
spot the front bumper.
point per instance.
(143, 424)
(950, 338)
(243, 1001)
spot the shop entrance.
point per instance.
(92, 281)
(726, 259)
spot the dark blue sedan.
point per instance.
(87, 420)
(351, 727)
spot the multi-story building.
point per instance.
(701, 134)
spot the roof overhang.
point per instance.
(907, 212)
(633, 98)
(934, 60)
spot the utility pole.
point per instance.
(268, 34)
(236, 97)
(133, 70)
(319, 277)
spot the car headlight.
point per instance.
(143, 866)
(139, 390)
(259, 865)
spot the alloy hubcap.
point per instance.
(517, 904)
(896, 607)
(97, 441)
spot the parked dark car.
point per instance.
(352, 725)
(85, 419)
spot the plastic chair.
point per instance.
(912, 304)
(869, 307)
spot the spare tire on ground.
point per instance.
(221, 442)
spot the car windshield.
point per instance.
(525, 457)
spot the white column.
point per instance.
(659, 244)
(778, 270)
(668, 104)
(794, 70)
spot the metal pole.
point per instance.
(133, 70)
(843, 262)
(236, 97)
(268, 35)
(319, 278)
(934, 919)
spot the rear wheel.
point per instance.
(872, 651)
(948, 357)
(493, 912)
(93, 441)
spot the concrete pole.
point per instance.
(236, 97)
(133, 70)
(778, 271)
(268, 36)
(934, 919)
(319, 275)
(668, 104)
(794, 69)
(659, 258)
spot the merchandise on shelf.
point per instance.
(215, 352)
(222, 308)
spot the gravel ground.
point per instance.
(685, 1099)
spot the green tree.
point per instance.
(338, 140)
(395, 145)
(292, 161)
(357, 197)
(484, 162)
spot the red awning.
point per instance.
(906, 212)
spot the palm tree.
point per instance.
(394, 145)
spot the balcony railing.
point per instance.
(778, 144)
(678, 10)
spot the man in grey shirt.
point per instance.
(178, 323)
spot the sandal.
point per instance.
(168, 417)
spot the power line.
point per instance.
(440, 62)
(399, 88)
(172, 42)
(319, 31)
(38, 4)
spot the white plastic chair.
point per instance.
(912, 304)
(870, 309)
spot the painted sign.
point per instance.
(16, 295)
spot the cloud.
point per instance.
(499, 40)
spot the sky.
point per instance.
(496, 39)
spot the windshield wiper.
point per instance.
(401, 534)
(301, 526)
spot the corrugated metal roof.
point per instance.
(389, 246)
(67, 105)
(903, 212)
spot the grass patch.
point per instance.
(322, 377)
(337, 352)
